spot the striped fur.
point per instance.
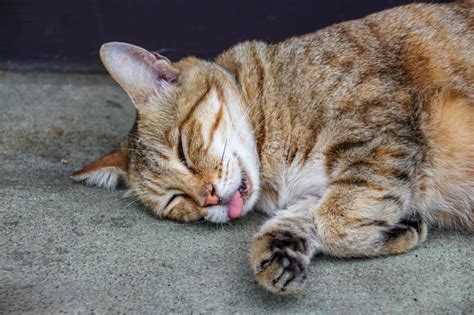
(355, 138)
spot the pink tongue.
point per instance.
(235, 206)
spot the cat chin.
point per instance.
(217, 214)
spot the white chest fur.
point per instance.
(292, 183)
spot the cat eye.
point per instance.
(173, 197)
(181, 155)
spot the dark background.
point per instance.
(66, 35)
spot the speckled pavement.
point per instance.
(66, 247)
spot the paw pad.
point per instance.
(280, 261)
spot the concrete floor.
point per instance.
(66, 247)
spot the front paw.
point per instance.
(280, 260)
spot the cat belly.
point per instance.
(293, 182)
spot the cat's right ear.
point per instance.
(106, 172)
(139, 72)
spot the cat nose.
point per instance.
(211, 198)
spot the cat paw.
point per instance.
(408, 233)
(280, 260)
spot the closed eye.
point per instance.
(173, 197)
(181, 155)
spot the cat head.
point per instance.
(191, 154)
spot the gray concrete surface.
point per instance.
(66, 247)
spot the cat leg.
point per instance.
(283, 247)
(349, 221)
(355, 219)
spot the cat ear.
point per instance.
(140, 73)
(106, 172)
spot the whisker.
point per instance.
(198, 222)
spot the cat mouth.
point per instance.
(245, 187)
(237, 201)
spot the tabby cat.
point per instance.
(354, 138)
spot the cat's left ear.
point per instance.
(139, 72)
(106, 172)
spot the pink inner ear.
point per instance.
(161, 67)
(169, 76)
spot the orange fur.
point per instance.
(354, 138)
